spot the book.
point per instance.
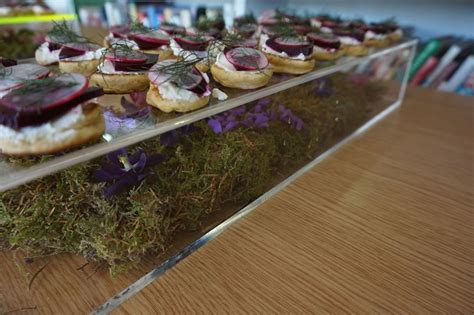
(428, 66)
(459, 76)
(445, 73)
(446, 59)
(426, 52)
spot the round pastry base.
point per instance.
(154, 98)
(241, 79)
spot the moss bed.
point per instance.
(68, 211)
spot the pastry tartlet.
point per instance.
(289, 54)
(242, 68)
(49, 115)
(48, 53)
(326, 46)
(80, 58)
(376, 36)
(177, 86)
(123, 70)
(192, 47)
(352, 41)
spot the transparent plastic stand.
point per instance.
(14, 175)
(398, 58)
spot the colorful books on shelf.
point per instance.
(443, 63)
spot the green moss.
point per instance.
(67, 212)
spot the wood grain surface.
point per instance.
(383, 225)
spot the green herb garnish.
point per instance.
(61, 33)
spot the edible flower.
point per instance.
(123, 171)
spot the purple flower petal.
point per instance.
(264, 101)
(230, 125)
(215, 125)
(139, 98)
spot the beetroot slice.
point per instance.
(120, 31)
(292, 46)
(126, 56)
(76, 49)
(356, 34)
(152, 40)
(173, 29)
(136, 67)
(244, 58)
(14, 76)
(18, 119)
(324, 40)
(7, 62)
(192, 80)
(193, 43)
(53, 93)
(250, 43)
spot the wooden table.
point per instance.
(383, 225)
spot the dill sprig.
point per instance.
(218, 45)
(138, 27)
(283, 30)
(245, 19)
(62, 33)
(43, 86)
(180, 68)
(5, 71)
(204, 23)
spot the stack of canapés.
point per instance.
(43, 112)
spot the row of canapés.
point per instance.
(42, 112)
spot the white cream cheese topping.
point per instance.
(221, 96)
(346, 40)
(57, 130)
(89, 55)
(322, 49)
(372, 35)
(45, 56)
(169, 90)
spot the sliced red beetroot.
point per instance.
(244, 58)
(152, 40)
(301, 29)
(193, 43)
(191, 80)
(126, 56)
(246, 30)
(15, 76)
(172, 29)
(6, 62)
(324, 40)
(17, 119)
(136, 67)
(120, 31)
(250, 43)
(328, 24)
(292, 46)
(76, 49)
(42, 95)
(353, 33)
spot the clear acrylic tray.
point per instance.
(15, 174)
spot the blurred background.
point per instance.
(445, 28)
